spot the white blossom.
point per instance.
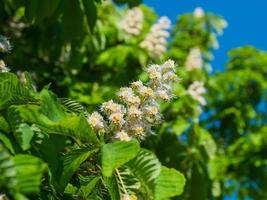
(96, 121)
(199, 12)
(134, 112)
(117, 119)
(112, 107)
(169, 65)
(22, 77)
(122, 135)
(133, 21)
(162, 94)
(137, 130)
(139, 109)
(136, 84)
(127, 95)
(3, 67)
(196, 90)
(151, 110)
(156, 40)
(194, 59)
(145, 91)
(5, 45)
(154, 72)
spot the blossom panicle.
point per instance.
(156, 40)
(196, 90)
(138, 109)
(133, 21)
(194, 60)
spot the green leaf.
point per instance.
(116, 154)
(87, 188)
(36, 11)
(7, 142)
(127, 180)
(24, 135)
(72, 106)
(71, 125)
(146, 168)
(7, 170)
(112, 186)
(170, 183)
(51, 149)
(72, 19)
(13, 92)
(4, 126)
(29, 171)
(50, 106)
(71, 163)
(90, 10)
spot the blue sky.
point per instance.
(247, 21)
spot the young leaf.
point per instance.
(13, 92)
(146, 168)
(7, 142)
(71, 163)
(116, 154)
(170, 183)
(112, 186)
(7, 170)
(29, 171)
(71, 125)
(24, 135)
(87, 188)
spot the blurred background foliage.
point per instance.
(81, 50)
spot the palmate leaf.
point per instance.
(50, 106)
(72, 106)
(24, 135)
(71, 162)
(146, 168)
(156, 181)
(7, 170)
(121, 182)
(20, 174)
(116, 154)
(86, 187)
(88, 184)
(112, 186)
(169, 183)
(13, 92)
(29, 171)
(50, 117)
(7, 142)
(127, 180)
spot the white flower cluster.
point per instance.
(197, 90)
(156, 40)
(199, 12)
(3, 67)
(194, 59)
(133, 21)
(5, 46)
(139, 109)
